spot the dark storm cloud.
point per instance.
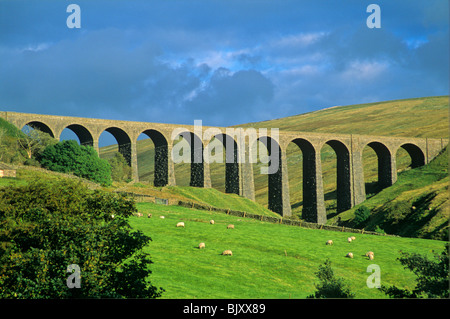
(225, 62)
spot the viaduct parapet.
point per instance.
(239, 176)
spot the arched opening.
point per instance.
(78, 133)
(222, 153)
(122, 144)
(302, 178)
(335, 159)
(416, 156)
(187, 155)
(268, 164)
(377, 167)
(38, 126)
(152, 160)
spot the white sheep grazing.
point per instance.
(329, 242)
(162, 217)
(180, 224)
(149, 215)
(201, 245)
(349, 255)
(231, 226)
(211, 221)
(370, 254)
(227, 252)
(349, 239)
(139, 215)
(353, 237)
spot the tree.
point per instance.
(83, 161)
(120, 170)
(330, 286)
(45, 227)
(432, 276)
(34, 142)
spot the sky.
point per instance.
(225, 62)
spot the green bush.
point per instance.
(70, 157)
(44, 228)
(329, 285)
(361, 215)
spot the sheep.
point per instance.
(349, 255)
(139, 215)
(353, 237)
(180, 224)
(370, 254)
(231, 226)
(149, 215)
(349, 239)
(211, 221)
(201, 245)
(162, 217)
(227, 252)
(329, 242)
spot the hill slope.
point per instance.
(418, 117)
(417, 205)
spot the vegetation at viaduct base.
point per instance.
(83, 161)
(37, 148)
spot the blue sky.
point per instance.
(225, 62)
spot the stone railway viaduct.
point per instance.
(239, 169)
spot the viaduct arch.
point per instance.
(239, 171)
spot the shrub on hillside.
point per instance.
(70, 157)
(329, 285)
(47, 227)
(361, 215)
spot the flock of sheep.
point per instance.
(201, 245)
(369, 254)
(228, 252)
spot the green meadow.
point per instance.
(269, 260)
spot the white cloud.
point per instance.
(35, 47)
(364, 70)
(298, 40)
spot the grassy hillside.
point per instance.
(210, 197)
(417, 205)
(269, 260)
(418, 117)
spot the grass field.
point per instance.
(269, 260)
